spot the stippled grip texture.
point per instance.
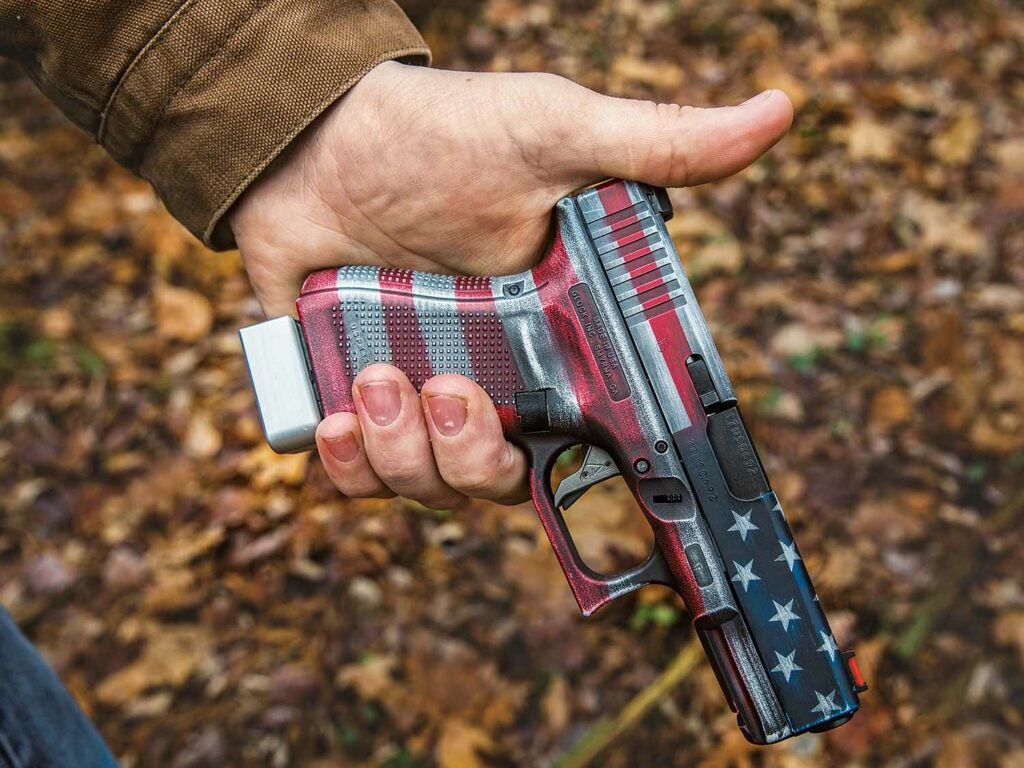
(422, 323)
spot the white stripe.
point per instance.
(433, 297)
(534, 349)
(665, 389)
(363, 316)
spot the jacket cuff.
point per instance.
(222, 88)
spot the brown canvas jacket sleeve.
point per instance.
(198, 96)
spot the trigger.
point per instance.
(597, 466)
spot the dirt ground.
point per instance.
(212, 604)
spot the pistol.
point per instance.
(601, 344)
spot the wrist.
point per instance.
(294, 186)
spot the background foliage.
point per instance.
(212, 604)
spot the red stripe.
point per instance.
(322, 325)
(614, 197)
(665, 325)
(474, 301)
(620, 219)
(640, 253)
(623, 237)
(672, 340)
(484, 337)
(553, 276)
(408, 348)
(649, 244)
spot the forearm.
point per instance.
(198, 97)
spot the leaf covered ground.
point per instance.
(210, 603)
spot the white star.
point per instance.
(745, 574)
(778, 508)
(788, 554)
(828, 645)
(742, 525)
(784, 614)
(786, 665)
(826, 705)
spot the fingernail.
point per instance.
(382, 401)
(759, 97)
(343, 448)
(447, 413)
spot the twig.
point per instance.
(607, 731)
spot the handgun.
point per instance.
(601, 344)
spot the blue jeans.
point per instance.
(40, 724)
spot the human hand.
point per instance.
(456, 172)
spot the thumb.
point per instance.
(670, 145)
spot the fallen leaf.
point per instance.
(202, 439)
(370, 678)
(260, 548)
(124, 569)
(170, 657)
(555, 705)
(657, 74)
(800, 340)
(206, 749)
(909, 50)
(459, 746)
(943, 226)
(294, 685)
(47, 575)
(172, 591)
(181, 314)
(956, 751)
(868, 139)
(890, 407)
(1009, 630)
(267, 468)
(957, 143)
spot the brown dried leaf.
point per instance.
(657, 74)
(1009, 630)
(202, 438)
(181, 314)
(890, 407)
(173, 591)
(460, 744)
(170, 657)
(555, 705)
(956, 144)
(370, 678)
(267, 468)
(868, 139)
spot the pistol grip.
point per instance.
(424, 324)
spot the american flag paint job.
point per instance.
(605, 326)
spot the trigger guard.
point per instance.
(591, 589)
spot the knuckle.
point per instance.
(356, 485)
(669, 112)
(440, 500)
(403, 474)
(674, 119)
(361, 490)
(475, 482)
(485, 475)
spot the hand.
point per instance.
(456, 172)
